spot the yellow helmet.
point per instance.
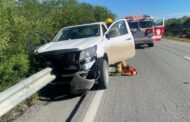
(109, 20)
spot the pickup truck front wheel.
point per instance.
(104, 74)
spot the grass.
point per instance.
(176, 38)
(19, 109)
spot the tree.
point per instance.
(102, 13)
(178, 27)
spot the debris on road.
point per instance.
(186, 82)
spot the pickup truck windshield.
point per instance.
(85, 31)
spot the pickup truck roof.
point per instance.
(96, 23)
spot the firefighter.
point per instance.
(109, 21)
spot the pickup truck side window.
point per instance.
(118, 29)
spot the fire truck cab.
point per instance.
(146, 29)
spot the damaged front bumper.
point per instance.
(80, 85)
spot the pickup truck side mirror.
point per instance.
(36, 39)
(107, 36)
(44, 41)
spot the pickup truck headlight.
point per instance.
(89, 52)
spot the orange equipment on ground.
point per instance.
(124, 70)
(128, 71)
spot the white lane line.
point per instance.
(186, 57)
(92, 110)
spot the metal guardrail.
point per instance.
(11, 97)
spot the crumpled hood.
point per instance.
(70, 44)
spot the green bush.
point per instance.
(178, 27)
(13, 69)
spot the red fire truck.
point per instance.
(146, 29)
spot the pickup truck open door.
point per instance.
(119, 42)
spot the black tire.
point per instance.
(151, 45)
(104, 74)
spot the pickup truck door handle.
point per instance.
(128, 39)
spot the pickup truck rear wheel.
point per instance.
(104, 75)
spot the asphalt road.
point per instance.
(160, 92)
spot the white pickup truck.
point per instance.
(84, 52)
